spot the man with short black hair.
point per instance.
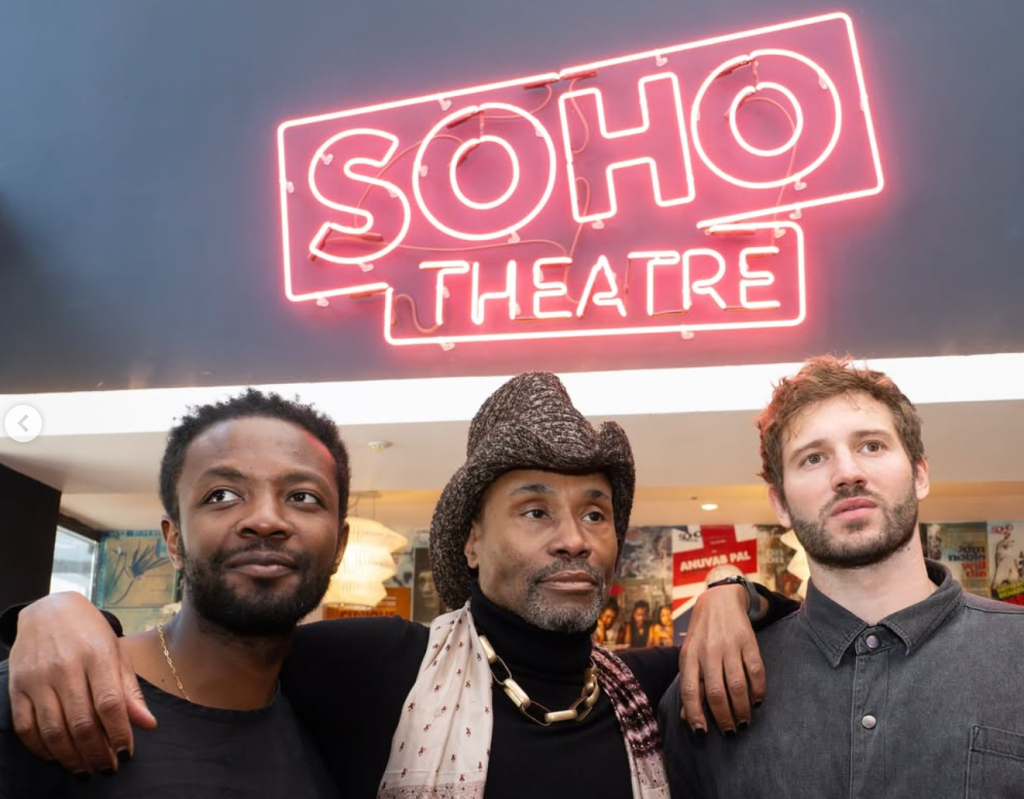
(254, 491)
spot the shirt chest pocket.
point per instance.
(995, 764)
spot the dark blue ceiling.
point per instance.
(139, 236)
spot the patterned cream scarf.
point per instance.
(441, 747)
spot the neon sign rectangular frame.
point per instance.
(360, 195)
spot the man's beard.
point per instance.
(568, 617)
(899, 525)
(261, 612)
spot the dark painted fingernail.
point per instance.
(759, 703)
(82, 776)
(700, 732)
(124, 756)
(109, 772)
(743, 725)
(729, 733)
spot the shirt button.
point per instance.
(872, 641)
(868, 722)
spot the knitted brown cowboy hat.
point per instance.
(528, 423)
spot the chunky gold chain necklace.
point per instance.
(535, 711)
(174, 671)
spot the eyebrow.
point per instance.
(880, 433)
(532, 488)
(222, 471)
(302, 476)
(820, 442)
(543, 488)
(290, 478)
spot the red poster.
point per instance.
(698, 550)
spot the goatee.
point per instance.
(567, 618)
(899, 525)
(265, 611)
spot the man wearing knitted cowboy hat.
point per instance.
(505, 696)
(524, 542)
(528, 531)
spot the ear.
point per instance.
(342, 544)
(472, 559)
(922, 482)
(172, 537)
(779, 506)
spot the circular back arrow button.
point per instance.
(23, 423)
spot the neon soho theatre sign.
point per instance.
(656, 192)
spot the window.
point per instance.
(74, 563)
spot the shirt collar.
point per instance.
(834, 629)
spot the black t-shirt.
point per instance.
(196, 752)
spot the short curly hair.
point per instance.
(251, 403)
(823, 378)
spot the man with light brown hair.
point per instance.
(890, 680)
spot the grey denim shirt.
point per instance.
(927, 703)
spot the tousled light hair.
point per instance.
(823, 378)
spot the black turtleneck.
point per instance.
(548, 665)
(569, 758)
(348, 680)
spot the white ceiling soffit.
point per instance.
(691, 429)
(972, 378)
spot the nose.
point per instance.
(570, 540)
(266, 517)
(847, 470)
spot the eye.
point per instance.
(813, 459)
(535, 513)
(219, 495)
(306, 498)
(595, 516)
(873, 446)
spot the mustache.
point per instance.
(853, 492)
(219, 558)
(568, 565)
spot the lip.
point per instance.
(571, 581)
(855, 508)
(263, 564)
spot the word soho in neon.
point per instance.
(656, 192)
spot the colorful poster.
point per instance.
(426, 602)
(647, 553)
(405, 569)
(963, 548)
(639, 611)
(647, 613)
(135, 571)
(1006, 561)
(609, 629)
(782, 561)
(697, 551)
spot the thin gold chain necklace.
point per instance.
(174, 671)
(533, 710)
